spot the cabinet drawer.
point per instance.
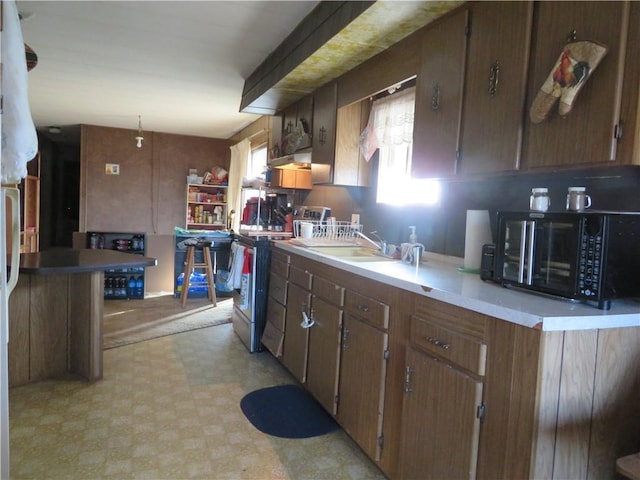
(276, 314)
(371, 311)
(300, 277)
(279, 256)
(328, 291)
(280, 268)
(278, 288)
(451, 346)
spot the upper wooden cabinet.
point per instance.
(587, 134)
(439, 89)
(495, 85)
(297, 119)
(324, 126)
(298, 178)
(350, 167)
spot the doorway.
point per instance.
(59, 185)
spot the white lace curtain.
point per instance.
(240, 153)
(393, 127)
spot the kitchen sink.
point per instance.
(353, 254)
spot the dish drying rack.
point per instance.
(327, 233)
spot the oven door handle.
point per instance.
(531, 239)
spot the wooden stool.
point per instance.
(190, 266)
(629, 466)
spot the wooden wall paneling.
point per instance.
(546, 411)
(19, 328)
(48, 321)
(117, 202)
(160, 278)
(616, 402)
(576, 404)
(85, 324)
(148, 195)
(173, 155)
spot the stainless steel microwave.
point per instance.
(589, 256)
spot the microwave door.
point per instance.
(555, 254)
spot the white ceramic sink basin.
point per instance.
(353, 254)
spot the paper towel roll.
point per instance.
(478, 232)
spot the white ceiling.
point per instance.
(180, 65)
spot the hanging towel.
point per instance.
(236, 261)
(19, 138)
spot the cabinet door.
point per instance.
(440, 426)
(296, 338)
(325, 101)
(362, 378)
(324, 353)
(351, 168)
(495, 86)
(439, 98)
(586, 134)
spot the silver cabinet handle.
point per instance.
(494, 71)
(438, 343)
(307, 320)
(407, 379)
(363, 308)
(345, 338)
(435, 97)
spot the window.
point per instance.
(392, 119)
(256, 168)
(257, 162)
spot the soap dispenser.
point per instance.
(412, 237)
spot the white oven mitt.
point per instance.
(19, 138)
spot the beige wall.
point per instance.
(149, 194)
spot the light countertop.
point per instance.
(438, 277)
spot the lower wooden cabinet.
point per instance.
(440, 420)
(362, 383)
(324, 352)
(296, 338)
(430, 390)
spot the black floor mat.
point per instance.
(286, 411)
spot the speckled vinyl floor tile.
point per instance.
(169, 408)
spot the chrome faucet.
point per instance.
(413, 254)
(378, 246)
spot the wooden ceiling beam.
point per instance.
(322, 24)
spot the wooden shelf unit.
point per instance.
(206, 206)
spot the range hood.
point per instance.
(298, 159)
